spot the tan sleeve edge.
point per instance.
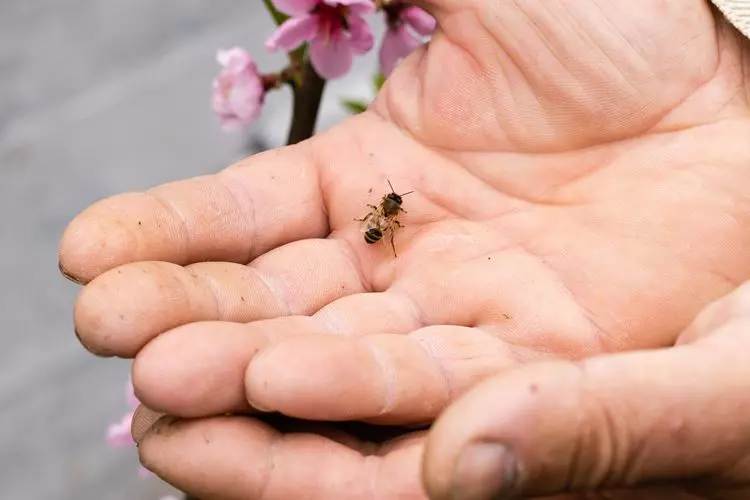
(737, 12)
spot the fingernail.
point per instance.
(485, 471)
(163, 424)
(69, 276)
(259, 407)
(146, 420)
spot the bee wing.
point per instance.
(363, 225)
(372, 220)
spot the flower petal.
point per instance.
(237, 96)
(229, 123)
(361, 37)
(295, 7)
(222, 85)
(331, 59)
(235, 59)
(396, 45)
(419, 20)
(293, 32)
(359, 7)
(118, 434)
(246, 97)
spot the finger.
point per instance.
(240, 457)
(717, 314)
(647, 493)
(613, 421)
(123, 309)
(380, 378)
(263, 202)
(365, 313)
(198, 369)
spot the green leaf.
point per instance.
(378, 80)
(278, 17)
(354, 107)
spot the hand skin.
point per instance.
(580, 176)
(675, 417)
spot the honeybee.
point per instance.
(382, 218)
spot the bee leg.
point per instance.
(372, 206)
(393, 245)
(398, 223)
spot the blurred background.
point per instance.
(99, 97)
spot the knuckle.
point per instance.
(605, 450)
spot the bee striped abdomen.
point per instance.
(373, 235)
(382, 218)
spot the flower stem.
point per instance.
(277, 16)
(307, 97)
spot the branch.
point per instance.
(307, 99)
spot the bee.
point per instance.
(382, 218)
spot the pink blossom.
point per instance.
(118, 433)
(238, 89)
(335, 29)
(399, 41)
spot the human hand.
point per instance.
(655, 424)
(566, 180)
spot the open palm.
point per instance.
(567, 159)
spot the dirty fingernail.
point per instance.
(69, 276)
(485, 471)
(146, 419)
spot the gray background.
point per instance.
(99, 97)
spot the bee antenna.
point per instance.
(404, 194)
(391, 185)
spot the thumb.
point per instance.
(612, 421)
